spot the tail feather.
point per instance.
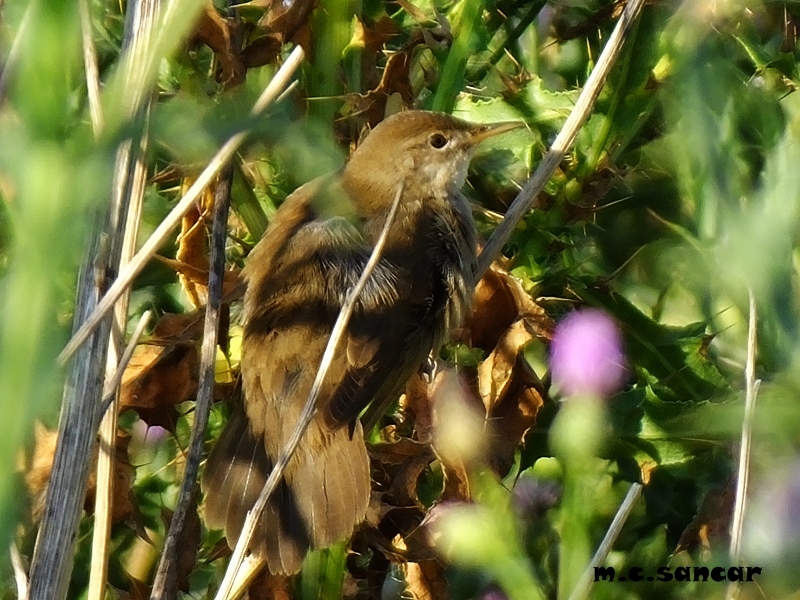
(347, 484)
(285, 539)
(323, 496)
(236, 471)
(337, 509)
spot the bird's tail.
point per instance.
(323, 496)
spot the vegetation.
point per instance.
(676, 213)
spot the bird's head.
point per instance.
(424, 150)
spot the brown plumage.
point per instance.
(298, 276)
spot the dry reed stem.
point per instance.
(751, 394)
(166, 576)
(171, 221)
(583, 107)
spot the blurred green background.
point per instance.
(681, 194)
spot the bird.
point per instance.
(297, 277)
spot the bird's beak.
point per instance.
(487, 130)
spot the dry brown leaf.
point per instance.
(198, 277)
(426, 580)
(398, 452)
(172, 327)
(138, 591)
(192, 245)
(459, 438)
(514, 415)
(372, 37)
(510, 390)
(417, 405)
(123, 502)
(261, 52)
(400, 464)
(283, 21)
(709, 531)
(399, 526)
(457, 487)
(449, 415)
(500, 300)
(511, 393)
(647, 468)
(163, 371)
(284, 18)
(495, 373)
(494, 310)
(214, 31)
(37, 475)
(403, 490)
(371, 106)
(267, 586)
(157, 379)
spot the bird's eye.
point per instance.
(437, 140)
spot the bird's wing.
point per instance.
(291, 309)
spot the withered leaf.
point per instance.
(403, 491)
(261, 52)
(372, 37)
(426, 580)
(513, 415)
(511, 393)
(163, 371)
(192, 247)
(371, 106)
(37, 475)
(285, 17)
(214, 31)
(173, 328)
(709, 531)
(157, 379)
(283, 21)
(459, 431)
(37, 472)
(500, 300)
(495, 373)
(123, 502)
(401, 463)
(417, 404)
(457, 486)
(396, 453)
(198, 277)
(267, 585)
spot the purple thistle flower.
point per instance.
(772, 525)
(586, 357)
(532, 497)
(493, 593)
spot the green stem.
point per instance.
(513, 36)
(452, 79)
(602, 139)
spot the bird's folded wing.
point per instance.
(300, 300)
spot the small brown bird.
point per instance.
(298, 277)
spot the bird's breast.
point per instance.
(438, 255)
